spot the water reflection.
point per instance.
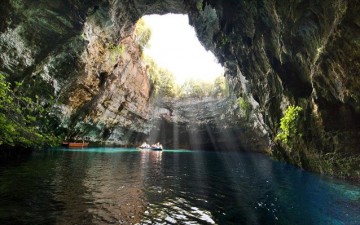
(115, 185)
(99, 188)
(127, 186)
(156, 157)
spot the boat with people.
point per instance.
(154, 147)
(157, 147)
(144, 145)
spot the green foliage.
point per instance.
(200, 89)
(115, 51)
(199, 5)
(24, 122)
(167, 86)
(194, 89)
(207, 25)
(209, 16)
(224, 40)
(164, 84)
(289, 123)
(83, 36)
(163, 80)
(220, 87)
(143, 33)
(245, 106)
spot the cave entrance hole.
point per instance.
(191, 87)
(174, 46)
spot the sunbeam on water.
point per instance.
(130, 186)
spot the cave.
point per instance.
(275, 55)
(193, 93)
(282, 147)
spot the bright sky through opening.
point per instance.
(174, 46)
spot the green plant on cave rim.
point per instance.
(245, 106)
(289, 124)
(224, 40)
(115, 51)
(24, 122)
(199, 5)
(142, 33)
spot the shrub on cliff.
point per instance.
(142, 33)
(289, 123)
(24, 122)
(245, 107)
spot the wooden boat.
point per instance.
(78, 144)
(156, 149)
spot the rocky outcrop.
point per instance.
(275, 53)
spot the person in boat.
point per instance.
(144, 145)
(157, 146)
(154, 145)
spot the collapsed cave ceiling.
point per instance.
(275, 54)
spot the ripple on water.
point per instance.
(174, 211)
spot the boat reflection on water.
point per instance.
(154, 157)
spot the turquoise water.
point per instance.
(130, 186)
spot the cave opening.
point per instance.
(174, 46)
(191, 90)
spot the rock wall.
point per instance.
(276, 54)
(301, 53)
(208, 123)
(73, 51)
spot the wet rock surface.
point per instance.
(276, 54)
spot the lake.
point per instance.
(130, 186)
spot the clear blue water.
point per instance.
(129, 186)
